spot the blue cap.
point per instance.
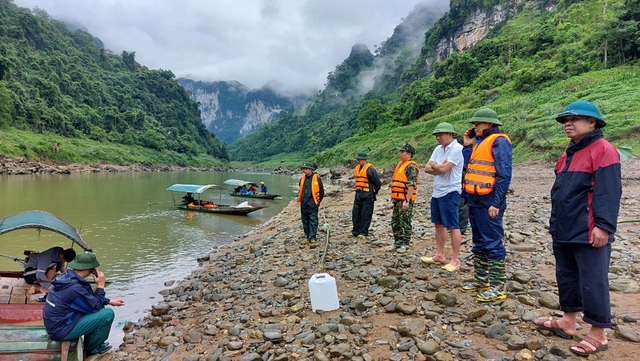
(582, 108)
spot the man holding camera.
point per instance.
(72, 309)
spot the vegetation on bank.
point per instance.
(527, 68)
(63, 150)
(54, 81)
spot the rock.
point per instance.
(411, 327)
(447, 299)
(389, 282)
(406, 308)
(167, 340)
(515, 342)
(627, 333)
(428, 347)
(160, 309)
(496, 330)
(549, 300)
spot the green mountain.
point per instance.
(63, 84)
(525, 59)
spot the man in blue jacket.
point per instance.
(585, 201)
(73, 309)
(487, 182)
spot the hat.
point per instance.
(486, 116)
(83, 261)
(408, 148)
(444, 128)
(583, 108)
(361, 155)
(308, 165)
(261, 182)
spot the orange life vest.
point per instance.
(315, 188)
(362, 182)
(481, 171)
(400, 183)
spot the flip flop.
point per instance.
(450, 268)
(429, 260)
(554, 327)
(595, 346)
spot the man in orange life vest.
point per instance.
(404, 187)
(309, 196)
(487, 181)
(367, 187)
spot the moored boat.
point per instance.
(236, 184)
(199, 204)
(22, 332)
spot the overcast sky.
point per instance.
(295, 42)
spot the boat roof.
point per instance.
(192, 188)
(42, 220)
(239, 182)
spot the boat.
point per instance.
(236, 184)
(208, 205)
(22, 332)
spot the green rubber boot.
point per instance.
(497, 278)
(480, 275)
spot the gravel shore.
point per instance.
(250, 300)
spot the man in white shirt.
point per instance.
(446, 165)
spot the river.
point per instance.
(139, 246)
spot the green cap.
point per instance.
(444, 128)
(582, 108)
(486, 116)
(408, 148)
(83, 261)
(308, 165)
(361, 155)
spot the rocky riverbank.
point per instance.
(250, 300)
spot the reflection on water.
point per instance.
(139, 246)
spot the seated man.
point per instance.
(42, 267)
(73, 309)
(263, 188)
(243, 190)
(188, 199)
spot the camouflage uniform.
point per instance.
(401, 221)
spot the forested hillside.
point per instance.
(527, 59)
(63, 83)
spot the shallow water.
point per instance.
(139, 246)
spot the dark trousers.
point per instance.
(95, 327)
(309, 216)
(361, 213)
(583, 281)
(487, 233)
(463, 215)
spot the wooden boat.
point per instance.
(236, 184)
(22, 332)
(207, 205)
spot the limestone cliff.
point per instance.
(231, 110)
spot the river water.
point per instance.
(139, 246)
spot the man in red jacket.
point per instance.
(585, 200)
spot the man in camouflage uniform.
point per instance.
(403, 193)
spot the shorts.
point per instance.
(444, 210)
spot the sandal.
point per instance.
(553, 327)
(429, 260)
(589, 345)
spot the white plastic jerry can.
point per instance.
(324, 293)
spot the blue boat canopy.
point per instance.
(239, 183)
(192, 188)
(42, 220)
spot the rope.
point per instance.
(327, 229)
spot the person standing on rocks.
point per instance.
(487, 181)
(404, 187)
(446, 165)
(367, 186)
(585, 201)
(310, 195)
